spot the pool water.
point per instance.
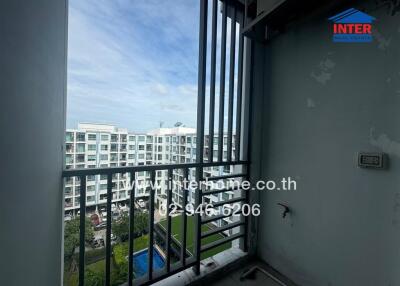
(140, 262)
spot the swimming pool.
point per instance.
(140, 262)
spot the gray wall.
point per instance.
(32, 115)
(321, 103)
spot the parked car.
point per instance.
(67, 217)
(100, 226)
(97, 241)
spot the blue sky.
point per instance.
(132, 63)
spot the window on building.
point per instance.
(92, 137)
(91, 158)
(131, 156)
(131, 138)
(114, 147)
(69, 137)
(80, 137)
(80, 158)
(104, 147)
(91, 147)
(142, 138)
(141, 147)
(104, 157)
(80, 147)
(69, 159)
(122, 147)
(91, 188)
(131, 147)
(141, 156)
(104, 137)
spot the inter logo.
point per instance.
(352, 26)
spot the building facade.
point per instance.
(103, 146)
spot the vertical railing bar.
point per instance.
(200, 123)
(108, 230)
(212, 81)
(169, 201)
(239, 92)
(82, 222)
(151, 226)
(247, 131)
(222, 84)
(131, 228)
(184, 217)
(231, 83)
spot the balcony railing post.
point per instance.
(131, 227)
(231, 83)
(200, 124)
(184, 216)
(222, 85)
(151, 226)
(82, 228)
(108, 230)
(239, 100)
(212, 80)
(168, 234)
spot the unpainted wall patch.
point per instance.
(323, 73)
(310, 103)
(384, 143)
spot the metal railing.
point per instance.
(231, 10)
(170, 268)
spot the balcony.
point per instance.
(165, 230)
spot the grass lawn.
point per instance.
(120, 252)
(176, 223)
(121, 249)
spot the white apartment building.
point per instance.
(102, 146)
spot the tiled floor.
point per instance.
(258, 278)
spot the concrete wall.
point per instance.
(320, 104)
(32, 115)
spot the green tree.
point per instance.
(71, 235)
(121, 227)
